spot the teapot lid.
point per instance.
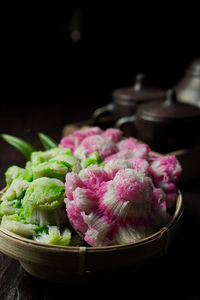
(140, 91)
(169, 108)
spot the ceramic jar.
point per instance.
(188, 88)
(165, 125)
(126, 100)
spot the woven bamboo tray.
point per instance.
(69, 264)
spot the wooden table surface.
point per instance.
(176, 273)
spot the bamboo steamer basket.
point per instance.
(68, 264)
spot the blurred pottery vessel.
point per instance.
(165, 125)
(125, 100)
(188, 88)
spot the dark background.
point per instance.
(82, 51)
(59, 62)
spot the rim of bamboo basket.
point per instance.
(81, 249)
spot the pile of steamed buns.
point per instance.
(123, 192)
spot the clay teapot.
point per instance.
(188, 88)
(165, 125)
(125, 100)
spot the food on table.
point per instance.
(43, 201)
(35, 196)
(95, 187)
(16, 190)
(165, 172)
(48, 234)
(52, 168)
(94, 158)
(72, 141)
(52, 235)
(17, 172)
(102, 204)
(104, 146)
(15, 224)
(58, 153)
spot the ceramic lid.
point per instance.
(139, 92)
(168, 108)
